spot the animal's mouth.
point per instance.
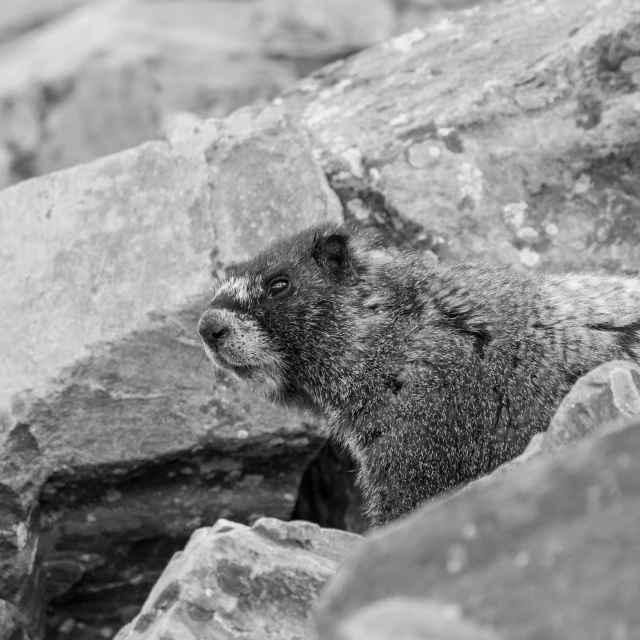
(241, 370)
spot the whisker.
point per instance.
(203, 357)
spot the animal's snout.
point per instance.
(213, 328)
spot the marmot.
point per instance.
(431, 374)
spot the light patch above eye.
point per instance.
(238, 288)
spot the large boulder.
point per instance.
(508, 131)
(233, 581)
(548, 551)
(115, 444)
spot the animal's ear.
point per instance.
(331, 252)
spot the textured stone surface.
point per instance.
(549, 551)
(601, 401)
(104, 412)
(233, 581)
(508, 131)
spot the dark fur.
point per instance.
(431, 374)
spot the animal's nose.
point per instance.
(212, 328)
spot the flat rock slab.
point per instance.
(549, 551)
(233, 581)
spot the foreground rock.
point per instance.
(549, 551)
(108, 430)
(233, 581)
(601, 401)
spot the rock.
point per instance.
(234, 581)
(131, 64)
(107, 428)
(601, 401)
(548, 551)
(606, 398)
(81, 79)
(324, 30)
(19, 17)
(410, 619)
(507, 131)
(12, 624)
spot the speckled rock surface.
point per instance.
(601, 401)
(549, 551)
(508, 131)
(233, 581)
(114, 444)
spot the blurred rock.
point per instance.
(549, 551)
(12, 624)
(326, 29)
(17, 18)
(80, 80)
(232, 581)
(410, 619)
(107, 427)
(101, 79)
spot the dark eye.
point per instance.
(278, 286)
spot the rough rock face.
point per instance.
(113, 447)
(508, 132)
(601, 401)
(548, 551)
(233, 581)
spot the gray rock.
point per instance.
(507, 131)
(410, 619)
(80, 79)
(548, 551)
(233, 581)
(106, 427)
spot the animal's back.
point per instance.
(485, 366)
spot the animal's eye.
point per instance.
(278, 286)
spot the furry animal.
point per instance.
(431, 374)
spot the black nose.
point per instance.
(212, 327)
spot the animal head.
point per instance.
(285, 320)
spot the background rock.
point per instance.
(410, 619)
(549, 551)
(508, 132)
(232, 581)
(80, 79)
(106, 428)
